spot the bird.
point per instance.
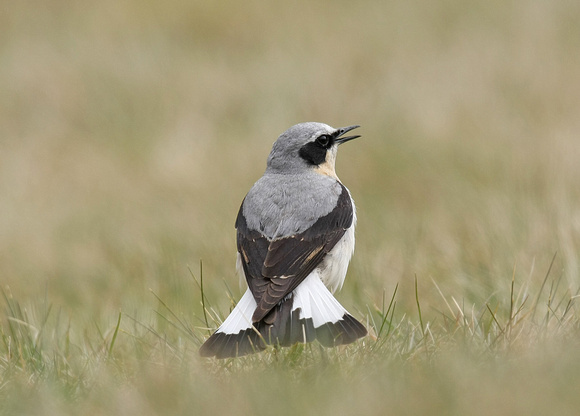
(295, 238)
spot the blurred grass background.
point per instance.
(130, 132)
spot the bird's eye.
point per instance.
(323, 140)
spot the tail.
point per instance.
(308, 313)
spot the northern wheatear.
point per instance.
(295, 238)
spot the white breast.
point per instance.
(333, 268)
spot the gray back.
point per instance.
(283, 205)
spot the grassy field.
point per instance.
(130, 132)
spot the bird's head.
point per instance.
(308, 146)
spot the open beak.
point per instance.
(343, 130)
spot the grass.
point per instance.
(130, 132)
(526, 343)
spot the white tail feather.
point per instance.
(316, 302)
(312, 297)
(241, 317)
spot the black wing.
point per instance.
(275, 268)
